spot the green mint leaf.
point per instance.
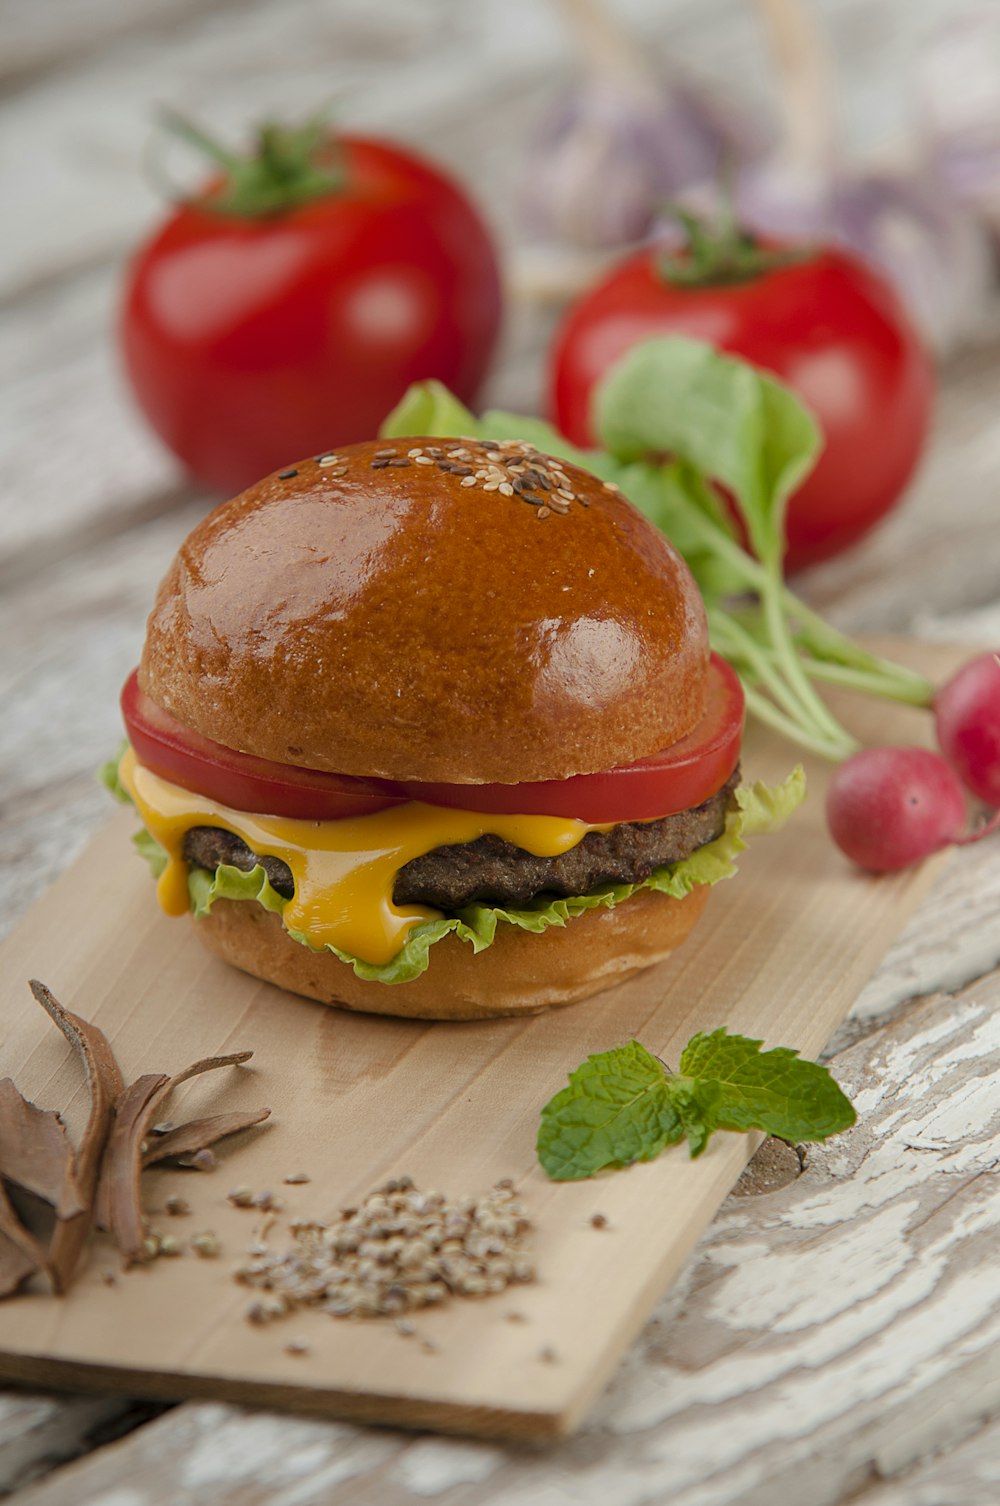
(697, 1106)
(774, 1091)
(725, 419)
(616, 1110)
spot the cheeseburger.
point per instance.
(432, 728)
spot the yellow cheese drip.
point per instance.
(344, 871)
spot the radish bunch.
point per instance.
(890, 807)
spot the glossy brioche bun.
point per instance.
(521, 973)
(374, 615)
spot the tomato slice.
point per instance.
(240, 780)
(675, 780)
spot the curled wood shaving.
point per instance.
(199, 1134)
(105, 1085)
(36, 1153)
(21, 1254)
(100, 1179)
(120, 1196)
(119, 1199)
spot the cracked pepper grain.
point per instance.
(401, 1249)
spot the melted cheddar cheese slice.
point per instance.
(344, 871)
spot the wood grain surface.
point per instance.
(356, 1099)
(91, 511)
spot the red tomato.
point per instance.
(254, 339)
(827, 325)
(239, 780)
(675, 780)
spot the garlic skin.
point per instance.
(956, 94)
(608, 156)
(905, 223)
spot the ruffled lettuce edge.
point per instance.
(757, 808)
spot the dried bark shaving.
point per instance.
(119, 1203)
(199, 1134)
(36, 1152)
(100, 1179)
(105, 1084)
(21, 1254)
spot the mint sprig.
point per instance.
(623, 1105)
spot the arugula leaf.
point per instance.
(725, 419)
(775, 1091)
(429, 408)
(623, 1106)
(616, 1110)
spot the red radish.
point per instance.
(890, 807)
(967, 713)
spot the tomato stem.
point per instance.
(288, 166)
(717, 252)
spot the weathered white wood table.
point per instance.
(835, 1336)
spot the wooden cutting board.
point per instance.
(781, 953)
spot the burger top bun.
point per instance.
(431, 609)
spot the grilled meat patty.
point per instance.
(496, 872)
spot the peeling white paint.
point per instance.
(435, 1465)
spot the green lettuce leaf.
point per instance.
(107, 775)
(759, 808)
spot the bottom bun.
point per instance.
(521, 973)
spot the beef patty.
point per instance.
(493, 871)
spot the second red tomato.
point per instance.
(827, 325)
(254, 338)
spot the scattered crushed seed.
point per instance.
(287, 475)
(169, 1245)
(296, 1177)
(599, 1220)
(297, 1346)
(429, 1346)
(202, 1160)
(400, 1250)
(422, 460)
(405, 1327)
(176, 1205)
(400, 462)
(240, 1197)
(388, 454)
(266, 1201)
(205, 1244)
(379, 465)
(163, 1128)
(327, 459)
